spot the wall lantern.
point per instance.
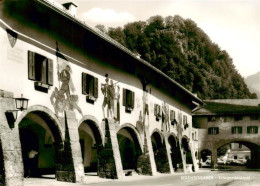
(11, 115)
(21, 103)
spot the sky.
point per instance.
(232, 24)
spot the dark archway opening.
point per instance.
(238, 155)
(160, 153)
(206, 157)
(129, 148)
(41, 145)
(186, 150)
(175, 152)
(91, 145)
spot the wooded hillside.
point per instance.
(183, 51)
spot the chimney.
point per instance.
(71, 8)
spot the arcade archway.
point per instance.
(186, 150)
(41, 144)
(91, 144)
(175, 152)
(239, 153)
(160, 153)
(205, 158)
(129, 146)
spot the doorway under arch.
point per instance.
(239, 153)
(91, 144)
(175, 152)
(205, 158)
(129, 147)
(41, 144)
(160, 153)
(186, 150)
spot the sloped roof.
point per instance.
(229, 107)
(58, 8)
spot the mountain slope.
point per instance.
(253, 83)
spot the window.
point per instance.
(40, 70)
(252, 129)
(235, 157)
(236, 130)
(184, 120)
(172, 115)
(238, 117)
(90, 87)
(157, 111)
(213, 130)
(240, 145)
(128, 100)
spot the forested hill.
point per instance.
(180, 49)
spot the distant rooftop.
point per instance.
(229, 107)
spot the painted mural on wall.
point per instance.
(139, 124)
(179, 125)
(62, 98)
(111, 102)
(165, 117)
(146, 106)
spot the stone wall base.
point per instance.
(144, 165)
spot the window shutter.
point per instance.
(256, 129)
(124, 97)
(50, 72)
(84, 83)
(155, 109)
(171, 115)
(96, 87)
(158, 110)
(31, 65)
(133, 100)
(240, 130)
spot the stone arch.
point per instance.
(159, 132)
(52, 147)
(130, 145)
(91, 141)
(254, 150)
(46, 113)
(95, 125)
(135, 132)
(205, 157)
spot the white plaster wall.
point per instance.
(14, 78)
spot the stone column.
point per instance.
(150, 150)
(194, 160)
(214, 157)
(109, 159)
(11, 146)
(72, 126)
(116, 151)
(168, 150)
(183, 157)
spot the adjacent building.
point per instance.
(228, 121)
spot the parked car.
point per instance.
(221, 161)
